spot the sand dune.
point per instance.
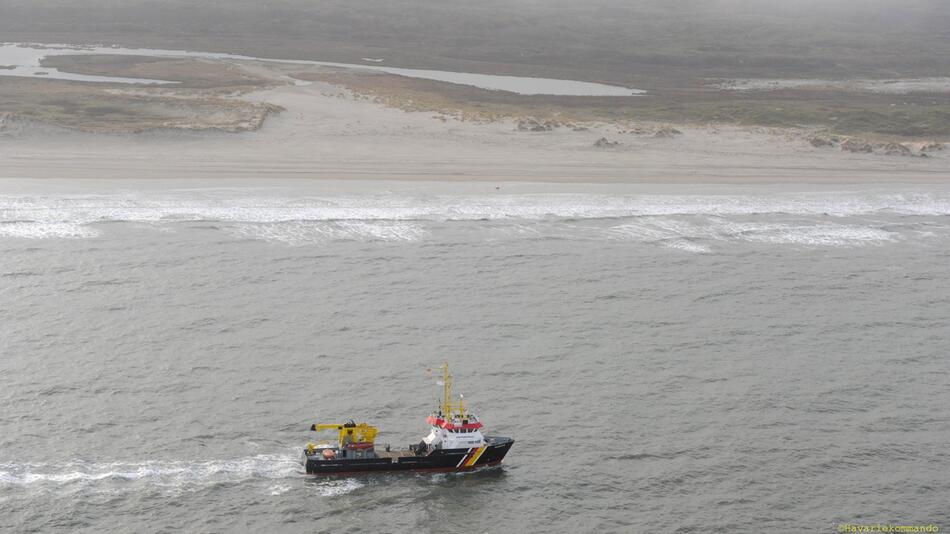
(326, 133)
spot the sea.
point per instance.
(667, 359)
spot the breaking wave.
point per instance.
(45, 229)
(298, 233)
(675, 221)
(684, 234)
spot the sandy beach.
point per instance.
(327, 132)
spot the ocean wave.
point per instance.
(337, 487)
(46, 229)
(820, 235)
(299, 233)
(686, 235)
(212, 206)
(686, 246)
(302, 220)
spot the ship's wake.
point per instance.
(158, 472)
(275, 473)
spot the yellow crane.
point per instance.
(349, 432)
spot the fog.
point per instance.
(602, 39)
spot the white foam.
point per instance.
(222, 206)
(45, 229)
(683, 235)
(300, 233)
(884, 86)
(686, 246)
(302, 220)
(278, 489)
(159, 473)
(337, 487)
(820, 235)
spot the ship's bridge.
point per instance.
(453, 427)
(467, 423)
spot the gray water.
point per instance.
(25, 59)
(668, 361)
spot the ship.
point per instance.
(455, 443)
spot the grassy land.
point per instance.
(669, 47)
(865, 114)
(198, 103)
(204, 99)
(210, 76)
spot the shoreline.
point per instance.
(327, 133)
(375, 187)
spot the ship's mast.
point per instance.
(446, 390)
(448, 408)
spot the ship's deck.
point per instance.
(401, 453)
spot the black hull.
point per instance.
(437, 460)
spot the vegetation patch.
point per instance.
(878, 116)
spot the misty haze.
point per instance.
(512, 265)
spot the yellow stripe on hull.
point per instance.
(474, 457)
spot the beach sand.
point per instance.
(326, 132)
